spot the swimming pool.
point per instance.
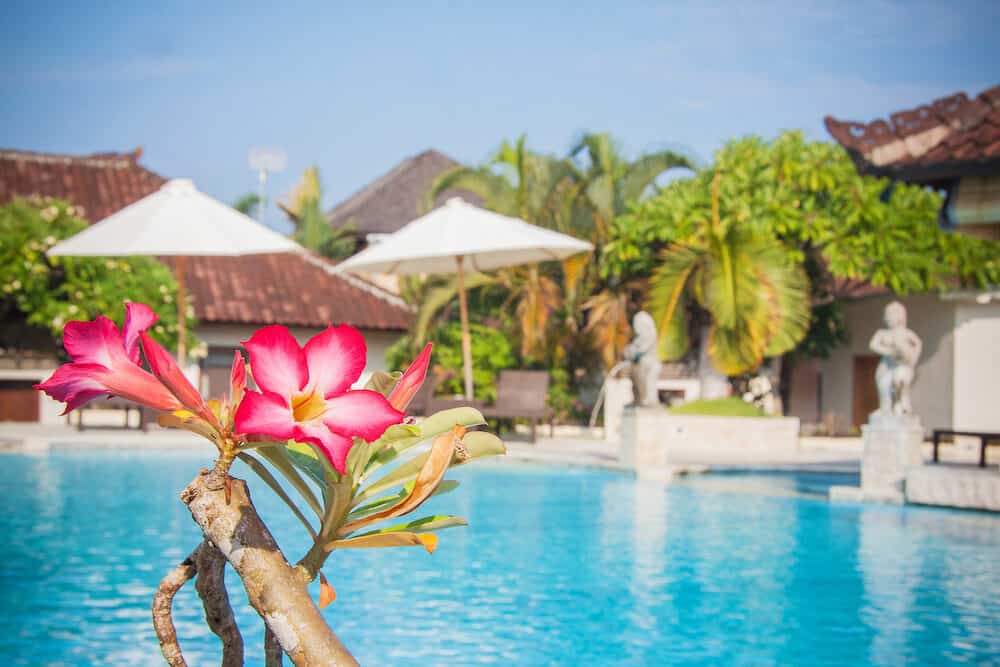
(559, 566)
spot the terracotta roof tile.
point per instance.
(101, 184)
(932, 140)
(295, 289)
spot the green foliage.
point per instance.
(718, 407)
(756, 295)
(560, 316)
(492, 352)
(312, 229)
(249, 204)
(50, 291)
(809, 197)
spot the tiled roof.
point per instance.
(100, 184)
(949, 137)
(394, 199)
(294, 289)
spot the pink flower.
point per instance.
(305, 392)
(106, 362)
(412, 380)
(167, 371)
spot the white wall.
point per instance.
(933, 320)
(977, 367)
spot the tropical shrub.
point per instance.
(492, 352)
(47, 292)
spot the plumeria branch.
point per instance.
(163, 621)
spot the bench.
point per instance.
(984, 441)
(521, 395)
(114, 403)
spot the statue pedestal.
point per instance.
(891, 445)
(618, 394)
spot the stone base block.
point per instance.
(954, 486)
(891, 445)
(855, 494)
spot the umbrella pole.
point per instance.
(463, 310)
(181, 312)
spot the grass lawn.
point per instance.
(718, 407)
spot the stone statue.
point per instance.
(900, 349)
(645, 359)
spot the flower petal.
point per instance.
(170, 374)
(276, 360)
(138, 318)
(94, 342)
(264, 414)
(336, 358)
(412, 380)
(132, 383)
(335, 446)
(75, 384)
(237, 378)
(364, 413)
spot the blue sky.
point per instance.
(355, 87)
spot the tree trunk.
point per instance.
(713, 383)
(273, 588)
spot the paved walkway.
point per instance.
(568, 446)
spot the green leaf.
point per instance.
(478, 444)
(388, 501)
(431, 427)
(423, 525)
(281, 459)
(261, 470)
(396, 539)
(306, 458)
(383, 382)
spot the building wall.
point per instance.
(805, 398)
(933, 320)
(976, 402)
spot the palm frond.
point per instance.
(492, 188)
(666, 301)
(786, 288)
(643, 172)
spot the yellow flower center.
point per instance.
(308, 406)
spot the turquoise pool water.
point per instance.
(568, 567)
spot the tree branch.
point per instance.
(272, 650)
(211, 586)
(163, 621)
(273, 588)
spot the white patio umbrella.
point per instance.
(459, 235)
(176, 220)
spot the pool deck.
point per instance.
(567, 446)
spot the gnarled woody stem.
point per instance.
(273, 588)
(211, 586)
(163, 621)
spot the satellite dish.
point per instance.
(265, 161)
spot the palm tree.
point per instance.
(312, 230)
(756, 298)
(516, 182)
(611, 182)
(248, 204)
